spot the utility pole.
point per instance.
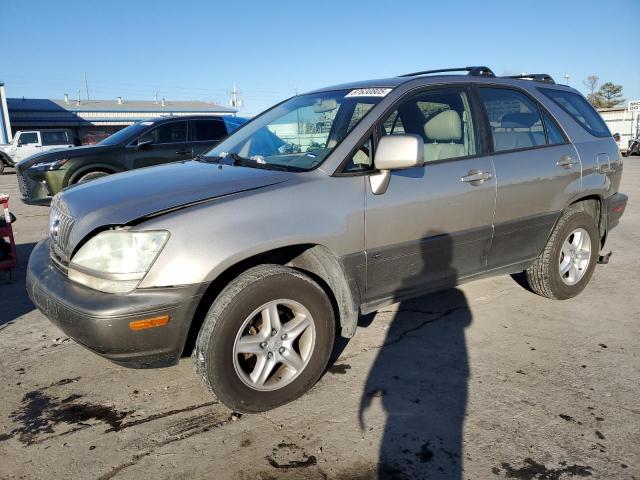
(86, 85)
(234, 101)
(156, 98)
(566, 77)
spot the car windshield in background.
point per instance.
(301, 132)
(125, 134)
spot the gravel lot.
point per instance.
(484, 381)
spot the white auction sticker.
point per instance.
(368, 92)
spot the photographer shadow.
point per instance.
(420, 376)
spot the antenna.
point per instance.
(234, 101)
(86, 85)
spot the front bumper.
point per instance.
(34, 189)
(38, 186)
(100, 321)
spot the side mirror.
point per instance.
(19, 144)
(142, 144)
(395, 152)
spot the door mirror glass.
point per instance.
(396, 152)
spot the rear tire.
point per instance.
(568, 260)
(266, 339)
(87, 177)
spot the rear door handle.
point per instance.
(566, 161)
(476, 176)
(184, 151)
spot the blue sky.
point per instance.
(196, 50)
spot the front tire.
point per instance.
(266, 339)
(569, 258)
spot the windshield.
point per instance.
(301, 132)
(126, 134)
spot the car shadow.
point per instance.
(14, 301)
(419, 378)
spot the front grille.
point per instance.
(60, 227)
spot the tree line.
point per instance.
(607, 95)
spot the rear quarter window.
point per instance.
(208, 130)
(580, 110)
(54, 138)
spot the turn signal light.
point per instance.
(149, 323)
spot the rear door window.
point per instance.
(514, 118)
(54, 138)
(172, 132)
(554, 134)
(208, 130)
(581, 111)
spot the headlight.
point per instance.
(115, 261)
(50, 165)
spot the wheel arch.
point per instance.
(6, 159)
(317, 261)
(94, 167)
(592, 204)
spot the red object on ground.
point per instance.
(6, 232)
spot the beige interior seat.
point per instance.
(444, 137)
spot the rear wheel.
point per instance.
(567, 262)
(87, 177)
(266, 339)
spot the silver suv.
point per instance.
(330, 205)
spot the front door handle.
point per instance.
(184, 151)
(476, 177)
(566, 161)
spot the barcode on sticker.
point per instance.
(368, 92)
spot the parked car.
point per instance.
(30, 142)
(253, 256)
(94, 138)
(634, 146)
(152, 142)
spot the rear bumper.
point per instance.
(614, 207)
(100, 321)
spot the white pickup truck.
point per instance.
(29, 142)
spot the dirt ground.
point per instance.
(483, 381)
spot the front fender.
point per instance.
(76, 173)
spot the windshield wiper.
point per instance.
(240, 161)
(208, 159)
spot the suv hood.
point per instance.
(64, 152)
(125, 197)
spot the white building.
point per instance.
(622, 121)
(91, 116)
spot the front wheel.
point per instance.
(567, 262)
(266, 339)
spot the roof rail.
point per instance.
(536, 77)
(474, 71)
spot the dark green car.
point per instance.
(146, 143)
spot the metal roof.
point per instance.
(57, 105)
